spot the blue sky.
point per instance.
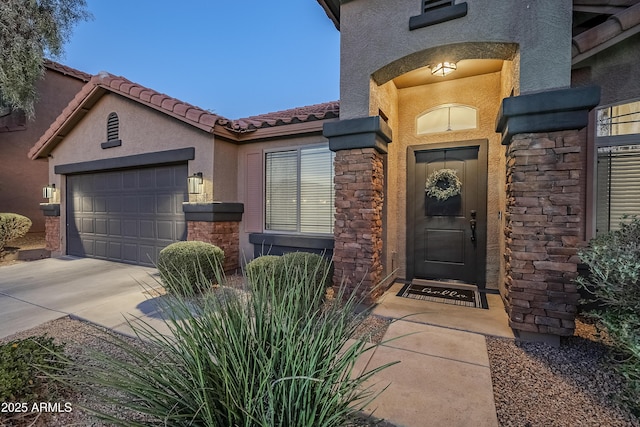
(236, 58)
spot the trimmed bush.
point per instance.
(21, 365)
(265, 263)
(12, 226)
(311, 269)
(315, 266)
(614, 279)
(188, 268)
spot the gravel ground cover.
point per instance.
(573, 385)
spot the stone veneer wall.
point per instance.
(52, 233)
(357, 255)
(223, 234)
(544, 220)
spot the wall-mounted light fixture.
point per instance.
(48, 191)
(443, 68)
(194, 183)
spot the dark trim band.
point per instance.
(137, 160)
(50, 209)
(363, 132)
(213, 212)
(557, 110)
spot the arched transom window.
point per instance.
(447, 118)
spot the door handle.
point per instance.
(473, 223)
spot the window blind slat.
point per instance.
(618, 182)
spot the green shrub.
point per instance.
(614, 279)
(315, 266)
(189, 267)
(12, 226)
(248, 359)
(23, 365)
(264, 263)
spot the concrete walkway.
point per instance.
(443, 378)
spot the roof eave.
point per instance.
(266, 133)
(332, 9)
(63, 129)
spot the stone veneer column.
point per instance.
(360, 146)
(218, 224)
(544, 227)
(51, 213)
(544, 213)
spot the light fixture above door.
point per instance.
(443, 68)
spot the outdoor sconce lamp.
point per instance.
(194, 183)
(443, 68)
(47, 192)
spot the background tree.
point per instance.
(31, 30)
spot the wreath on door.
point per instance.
(443, 184)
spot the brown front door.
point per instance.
(449, 235)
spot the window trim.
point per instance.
(297, 148)
(595, 142)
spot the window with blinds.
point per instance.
(299, 190)
(618, 186)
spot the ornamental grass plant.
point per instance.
(252, 357)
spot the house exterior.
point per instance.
(21, 180)
(521, 100)
(522, 117)
(120, 156)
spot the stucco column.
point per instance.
(218, 224)
(544, 215)
(360, 146)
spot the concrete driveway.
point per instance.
(36, 292)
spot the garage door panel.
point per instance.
(115, 227)
(100, 204)
(101, 226)
(114, 181)
(126, 216)
(88, 247)
(147, 229)
(129, 180)
(146, 179)
(130, 228)
(166, 230)
(147, 204)
(87, 225)
(114, 204)
(130, 204)
(130, 252)
(87, 204)
(101, 248)
(165, 204)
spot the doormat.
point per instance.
(443, 293)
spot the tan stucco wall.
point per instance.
(142, 130)
(482, 92)
(375, 34)
(21, 179)
(246, 248)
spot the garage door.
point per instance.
(126, 215)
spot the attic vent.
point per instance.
(113, 132)
(435, 4)
(113, 127)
